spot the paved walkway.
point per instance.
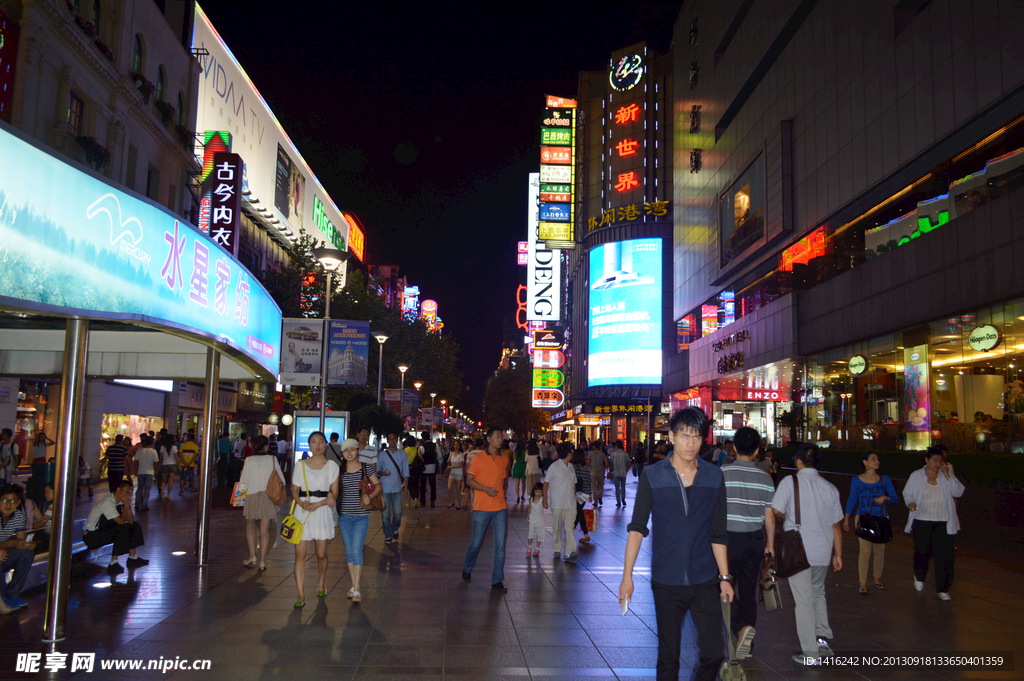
(419, 621)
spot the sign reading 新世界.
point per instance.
(226, 200)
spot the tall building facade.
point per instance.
(848, 220)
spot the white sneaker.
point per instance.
(823, 647)
(743, 643)
(943, 596)
(919, 585)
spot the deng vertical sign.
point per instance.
(543, 275)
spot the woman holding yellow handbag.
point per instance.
(313, 507)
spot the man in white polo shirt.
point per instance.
(821, 518)
(560, 497)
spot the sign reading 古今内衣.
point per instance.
(226, 200)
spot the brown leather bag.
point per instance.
(790, 556)
(275, 488)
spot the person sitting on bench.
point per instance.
(111, 521)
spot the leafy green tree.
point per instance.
(508, 402)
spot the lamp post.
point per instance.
(381, 337)
(444, 414)
(331, 259)
(403, 368)
(432, 415)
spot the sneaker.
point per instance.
(115, 568)
(137, 562)
(807, 661)
(944, 596)
(556, 554)
(823, 647)
(571, 558)
(465, 576)
(500, 586)
(15, 603)
(744, 641)
(536, 552)
(919, 585)
(387, 540)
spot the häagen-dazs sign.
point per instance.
(983, 338)
(858, 365)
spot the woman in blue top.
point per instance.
(869, 493)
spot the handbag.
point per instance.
(238, 493)
(291, 527)
(366, 488)
(790, 556)
(874, 528)
(590, 515)
(769, 593)
(275, 488)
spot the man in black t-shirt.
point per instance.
(115, 462)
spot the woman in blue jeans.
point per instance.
(353, 519)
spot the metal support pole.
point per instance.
(72, 396)
(380, 372)
(207, 463)
(323, 354)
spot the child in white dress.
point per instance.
(536, 518)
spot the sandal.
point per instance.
(536, 552)
(879, 585)
(249, 563)
(863, 591)
(299, 604)
(321, 594)
(529, 553)
(263, 567)
(351, 591)
(356, 597)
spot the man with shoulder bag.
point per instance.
(811, 508)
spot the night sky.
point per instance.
(423, 120)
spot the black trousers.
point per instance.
(746, 553)
(931, 541)
(581, 520)
(671, 603)
(114, 478)
(428, 479)
(124, 537)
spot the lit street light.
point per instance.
(331, 259)
(403, 368)
(381, 337)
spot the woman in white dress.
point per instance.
(314, 490)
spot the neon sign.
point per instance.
(812, 246)
(626, 114)
(627, 181)
(627, 147)
(627, 73)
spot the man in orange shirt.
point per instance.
(486, 475)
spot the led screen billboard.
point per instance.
(625, 313)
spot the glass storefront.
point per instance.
(954, 381)
(132, 427)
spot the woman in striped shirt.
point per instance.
(353, 519)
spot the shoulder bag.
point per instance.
(366, 488)
(790, 556)
(291, 527)
(275, 487)
(874, 528)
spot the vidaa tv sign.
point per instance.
(625, 313)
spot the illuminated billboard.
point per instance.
(278, 177)
(543, 278)
(625, 313)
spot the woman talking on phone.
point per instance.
(929, 495)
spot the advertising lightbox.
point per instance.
(625, 313)
(302, 344)
(348, 352)
(71, 243)
(556, 174)
(307, 423)
(277, 174)
(543, 280)
(555, 212)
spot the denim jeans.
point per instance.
(142, 493)
(620, 490)
(498, 520)
(391, 516)
(19, 560)
(353, 533)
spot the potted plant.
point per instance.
(186, 136)
(143, 85)
(166, 112)
(105, 49)
(96, 155)
(87, 27)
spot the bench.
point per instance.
(80, 554)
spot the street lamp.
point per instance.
(331, 259)
(403, 368)
(432, 419)
(381, 337)
(418, 385)
(444, 414)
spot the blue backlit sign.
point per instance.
(555, 212)
(71, 243)
(625, 313)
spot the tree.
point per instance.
(379, 419)
(508, 402)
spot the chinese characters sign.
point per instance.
(122, 258)
(226, 200)
(649, 210)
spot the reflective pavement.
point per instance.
(418, 620)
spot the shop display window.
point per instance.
(130, 426)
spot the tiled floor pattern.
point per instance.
(419, 621)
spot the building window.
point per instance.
(160, 79)
(179, 115)
(76, 109)
(137, 55)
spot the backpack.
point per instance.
(429, 453)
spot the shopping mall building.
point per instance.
(848, 246)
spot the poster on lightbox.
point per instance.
(301, 343)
